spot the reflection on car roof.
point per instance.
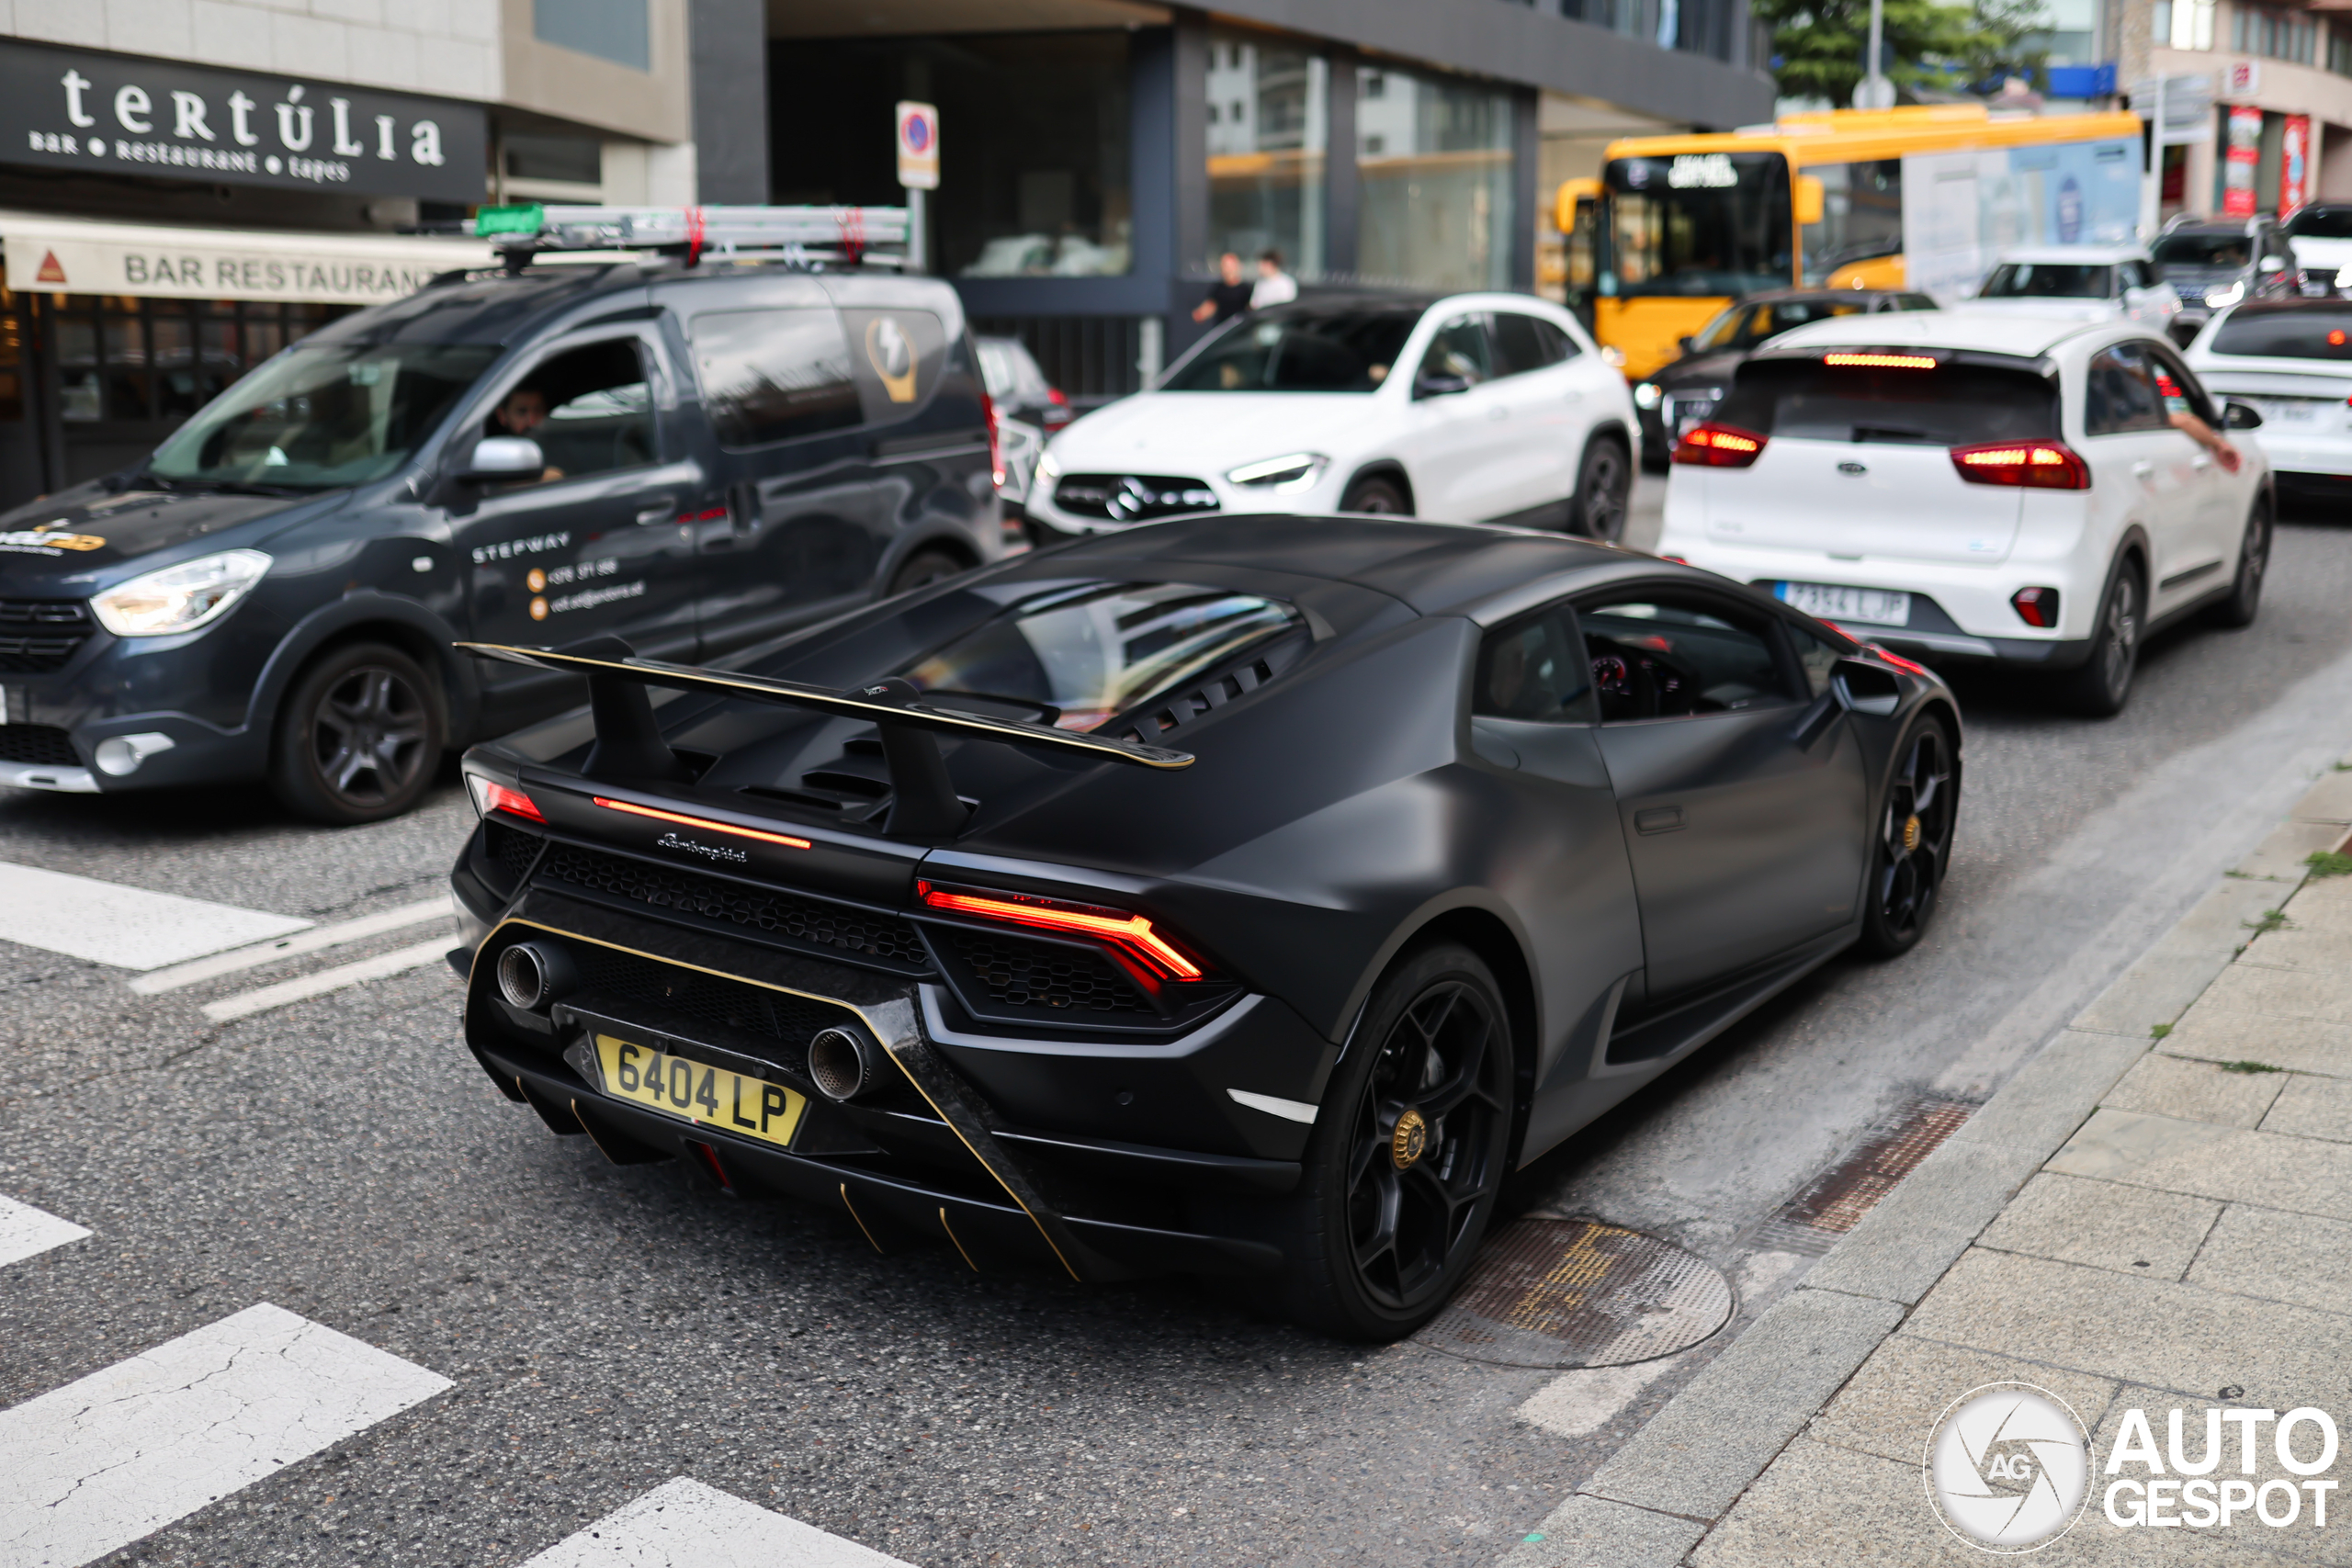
(1988, 332)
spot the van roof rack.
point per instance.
(807, 235)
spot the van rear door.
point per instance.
(1857, 457)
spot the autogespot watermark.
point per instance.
(2009, 1468)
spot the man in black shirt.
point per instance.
(1229, 295)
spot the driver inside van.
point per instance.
(522, 412)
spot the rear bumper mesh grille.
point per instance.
(811, 920)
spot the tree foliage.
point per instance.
(1818, 45)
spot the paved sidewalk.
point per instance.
(2153, 1214)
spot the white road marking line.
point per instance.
(26, 1231)
(98, 1464)
(310, 940)
(127, 926)
(303, 988)
(683, 1523)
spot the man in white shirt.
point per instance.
(1274, 287)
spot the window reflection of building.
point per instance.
(1434, 160)
(1268, 120)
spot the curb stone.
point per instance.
(1652, 1501)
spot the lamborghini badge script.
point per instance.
(708, 852)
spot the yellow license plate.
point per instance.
(697, 1092)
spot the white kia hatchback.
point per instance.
(1966, 486)
(2292, 360)
(1469, 408)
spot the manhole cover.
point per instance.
(1574, 1294)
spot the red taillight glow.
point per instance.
(704, 823)
(1131, 934)
(2036, 606)
(1718, 447)
(1879, 361)
(2036, 465)
(1897, 660)
(1057, 409)
(498, 797)
(996, 446)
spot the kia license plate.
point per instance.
(2293, 411)
(697, 1092)
(1877, 606)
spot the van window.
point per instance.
(1951, 405)
(588, 409)
(770, 375)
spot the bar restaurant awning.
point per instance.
(73, 255)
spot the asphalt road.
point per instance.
(606, 1329)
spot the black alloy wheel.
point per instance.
(1377, 495)
(2099, 686)
(2244, 601)
(925, 568)
(1912, 845)
(359, 737)
(1603, 484)
(1409, 1154)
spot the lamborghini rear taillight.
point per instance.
(1718, 447)
(1132, 935)
(2035, 465)
(490, 797)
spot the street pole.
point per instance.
(2152, 191)
(1879, 97)
(918, 230)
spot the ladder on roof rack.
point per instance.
(827, 233)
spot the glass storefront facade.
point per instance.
(1435, 207)
(1269, 117)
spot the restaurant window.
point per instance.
(1433, 158)
(1269, 118)
(122, 358)
(12, 356)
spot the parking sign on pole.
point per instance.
(919, 146)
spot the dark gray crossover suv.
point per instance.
(697, 459)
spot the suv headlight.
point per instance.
(1049, 468)
(2220, 298)
(1283, 474)
(180, 598)
(1648, 394)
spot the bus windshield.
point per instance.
(1697, 225)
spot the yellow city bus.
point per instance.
(1922, 197)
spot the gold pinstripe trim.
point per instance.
(814, 997)
(951, 1236)
(860, 1219)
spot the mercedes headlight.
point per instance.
(180, 598)
(2222, 298)
(1647, 396)
(1285, 474)
(1049, 469)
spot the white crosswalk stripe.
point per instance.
(26, 1232)
(245, 1004)
(98, 1464)
(685, 1523)
(127, 926)
(312, 941)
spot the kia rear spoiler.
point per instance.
(628, 742)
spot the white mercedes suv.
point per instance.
(1962, 485)
(1465, 408)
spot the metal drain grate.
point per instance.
(1811, 1223)
(1549, 1293)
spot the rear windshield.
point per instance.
(2292, 333)
(2048, 280)
(2204, 252)
(2322, 223)
(1082, 657)
(1953, 405)
(1303, 349)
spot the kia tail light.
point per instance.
(2033, 464)
(1718, 447)
(2036, 606)
(1132, 937)
(996, 444)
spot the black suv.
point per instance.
(695, 459)
(2212, 264)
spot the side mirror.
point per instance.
(1865, 687)
(2236, 415)
(1684, 343)
(1432, 383)
(499, 459)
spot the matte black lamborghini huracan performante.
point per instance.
(1242, 896)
